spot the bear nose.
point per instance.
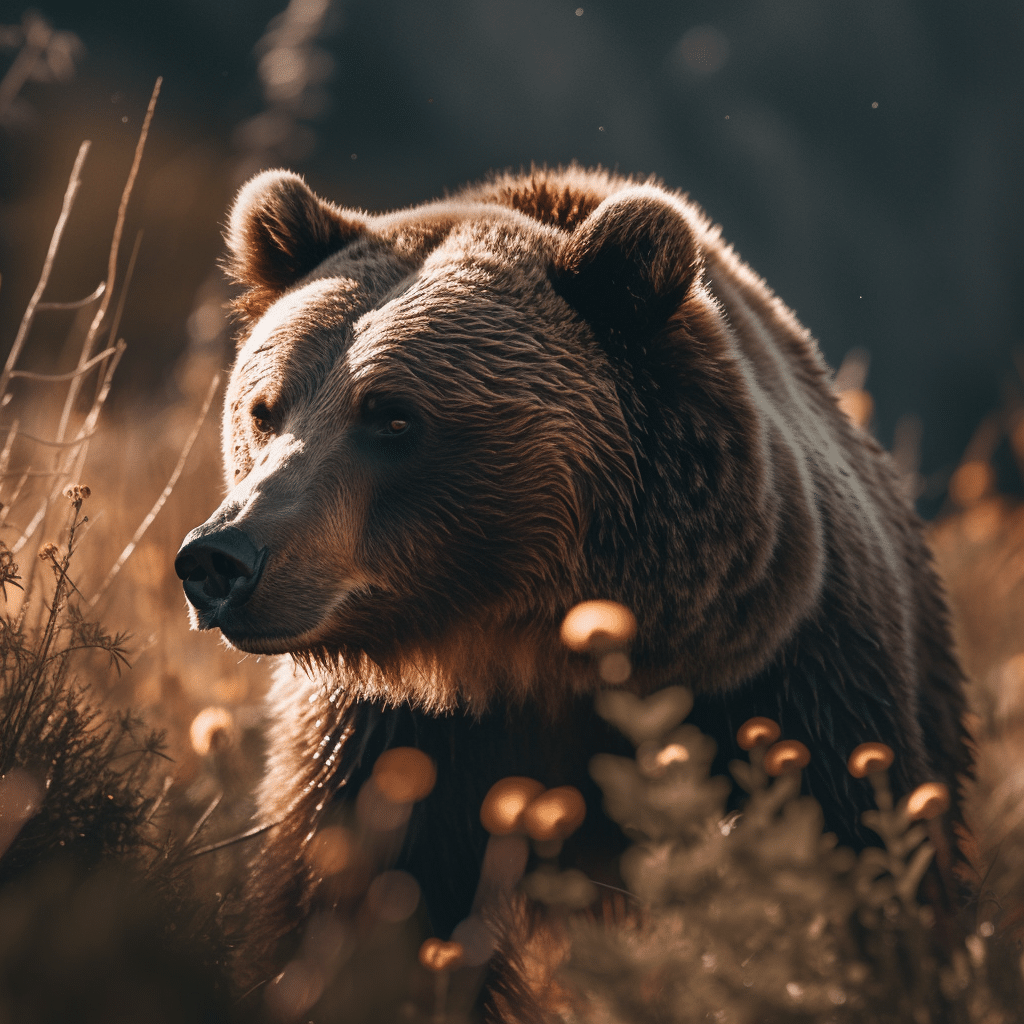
(219, 567)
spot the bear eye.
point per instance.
(387, 420)
(262, 420)
(390, 422)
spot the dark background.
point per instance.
(864, 157)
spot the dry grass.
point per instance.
(112, 562)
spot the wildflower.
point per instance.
(77, 493)
(48, 551)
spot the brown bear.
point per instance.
(448, 425)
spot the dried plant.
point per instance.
(758, 916)
(75, 775)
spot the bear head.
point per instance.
(448, 425)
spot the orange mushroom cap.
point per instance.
(786, 756)
(757, 730)
(555, 814)
(502, 810)
(869, 758)
(438, 955)
(597, 626)
(928, 801)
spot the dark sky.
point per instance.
(865, 157)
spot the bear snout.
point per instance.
(219, 570)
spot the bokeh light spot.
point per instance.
(211, 728)
(438, 955)
(294, 990)
(404, 774)
(970, 482)
(393, 896)
(703, 50)
(331, 850)
(476, 940)
(857, 406)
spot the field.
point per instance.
(129, 863)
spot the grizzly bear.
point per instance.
(448, 425)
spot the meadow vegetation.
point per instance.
(129, 748)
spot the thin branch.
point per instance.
(74, 443)
(5, 455)
(15, 494)
(115, 244)
(74, 182)
(62, 575)
(89, 426)
(203, 819)
(77, 303)
(56, 378)
(164, 495)
(83, 438)
(168, 782)
(128, 275)
(253, 832)
(31, 528)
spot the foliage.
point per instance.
(82, 769)
(759, 917)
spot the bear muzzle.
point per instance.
(219, 570)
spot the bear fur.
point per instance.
(448, 425)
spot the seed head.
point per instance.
(48, 551)
(77, 493)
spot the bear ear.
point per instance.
(280, 230)
(630, 264)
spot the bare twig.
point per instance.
(128, 275)
(101, 312)
(5, 455)
(30, 530)
(80, 444)
(9, 504)
(252, 833)
(203, 819)
(74, 443)
(56, 378)
(74, 182)
(168, 782)
(89, 426)
(77, 303)
(164, 495)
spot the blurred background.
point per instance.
(866, 158)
